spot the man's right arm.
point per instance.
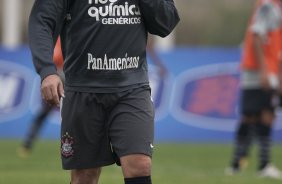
(45, 23)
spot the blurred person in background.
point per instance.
(45, 110)
(259, 83)
(107, 112)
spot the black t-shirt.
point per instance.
(104, 41)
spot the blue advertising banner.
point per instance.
(197, 100)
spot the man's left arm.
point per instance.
(160, 16)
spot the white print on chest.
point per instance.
(107, 63)
(110, 8)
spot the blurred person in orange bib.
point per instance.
(259, 84)
(40, 118)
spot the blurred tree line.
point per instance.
(213, 22)
(203, 22)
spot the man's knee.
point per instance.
(85, 176)
(136, 165)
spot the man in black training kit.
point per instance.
(107, 112)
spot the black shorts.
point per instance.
(254, 101)
(98, 129)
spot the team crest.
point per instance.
(66, 145)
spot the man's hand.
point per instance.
(52, 89)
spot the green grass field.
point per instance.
(173, 164)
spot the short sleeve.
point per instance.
(267, 18)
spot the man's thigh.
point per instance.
(84, 137)
(132, 124)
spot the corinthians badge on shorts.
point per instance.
(66, 145)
